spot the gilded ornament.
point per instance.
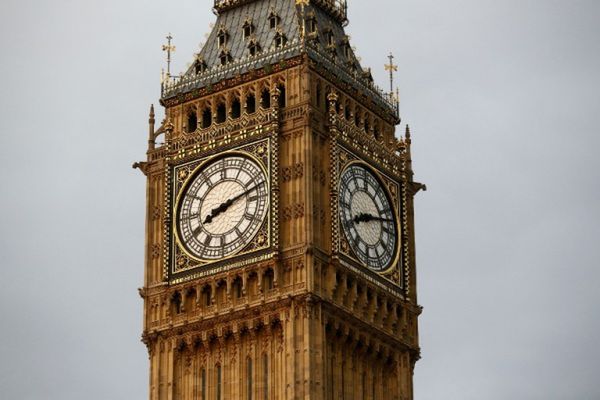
(261, 239)
(182, 174)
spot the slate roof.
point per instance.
(231, 20)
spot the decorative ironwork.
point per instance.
(169, 48)
(338, 9)
(370, 149)
(354, 78)
(175, 85)
(392, 68)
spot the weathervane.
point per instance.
(392, 68)
(168, 48)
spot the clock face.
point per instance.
(367, 218)
(222, 207)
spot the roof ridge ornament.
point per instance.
(394, 97)
(169, 48)
(302, 4)
(392, 68)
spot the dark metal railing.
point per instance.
(337, 8)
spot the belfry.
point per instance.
(280, 247)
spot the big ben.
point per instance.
(280, 246)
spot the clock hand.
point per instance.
(247, 192)
(224, 206)
(382, 219)
(363, 217)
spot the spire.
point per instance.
(151, 128)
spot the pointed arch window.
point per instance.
(199, 66)
(250, 103)
(237, 287)
(346, 48)
(236, 108)
(329, 38)
(311, 25)
(280, 39)
(268, 279)
(207, 296)
(225, 57)
(221, 113)
(176, 302)
(192, 121)
(282, 95)
(206, 118)
(265, 99)
(254, 48)
(274, 20)
(377, 131)
(222, 37)
(248, 29)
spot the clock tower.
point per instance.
(279, 255)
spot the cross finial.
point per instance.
(392, 68)
(168, 48)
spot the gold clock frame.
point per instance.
(195, 266)
(189, 180)
(394, 200)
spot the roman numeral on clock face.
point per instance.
(230, 199)
(366, 217)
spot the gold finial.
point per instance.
(302, 4)
(392, 68)
(169, 48)
(151, 122)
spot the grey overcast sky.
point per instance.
(503, 98)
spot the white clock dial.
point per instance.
(367, 218)
(222, 207)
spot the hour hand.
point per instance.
(216, 211)
(363, 217)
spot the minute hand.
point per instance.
(224, 206)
